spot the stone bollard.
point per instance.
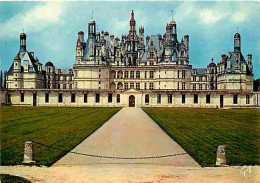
(221, 156)
(28, 152)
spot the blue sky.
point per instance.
(52, 27)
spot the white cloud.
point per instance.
(118, 27)
(33, 20)
(239, 17)
(209, 16)
(215, 13)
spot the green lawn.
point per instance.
(59, 127)
(200, 131)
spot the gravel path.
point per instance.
(133, 173)
(129, 133)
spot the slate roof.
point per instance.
(143, 60)
(49, 64)
(232, 57)
(11, 70)
(25, 56)
(155, 39)
(63, 70)
(200, 71)
(212, 64)
(87, 52)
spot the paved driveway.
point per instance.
(129, 133)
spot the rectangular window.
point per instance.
(170, 98)
(151, 86)
(85, 98)
(70, 86)
(159, 98)
(58, 86)
(126, 74)
(235, 99)
(200, 78)
(194, 86)
(183, 74)
(132, 85)
(145, 74)
(145, 86)
(22, 97)
(183, 86)
(178, 74)
(132, 74)
(110, 97)
(46, 97)
(195, 99)
(60, 98)
(138, 74)
(247, 99)
(178, 87)
(97, 97)
(151, 74)
(194, 78)
(73, 96)
(208, 99)
(137, 86)
(64, 78)
(118, 98)
(200, 86)
(183, 99)
(64, 86)
(126, 86)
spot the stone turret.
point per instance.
(237, 42)
(22, 42)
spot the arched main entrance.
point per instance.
(131, 101)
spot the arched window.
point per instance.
(146, 98)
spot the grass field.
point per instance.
(200, 131)
(59, 127)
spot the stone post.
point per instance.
(221, 156)
(28, 152)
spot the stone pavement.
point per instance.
(129, 133)
(133, 173)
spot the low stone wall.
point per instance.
(38, 98)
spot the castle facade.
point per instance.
(134, 71)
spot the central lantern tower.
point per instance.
(132, 43)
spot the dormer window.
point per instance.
(151, 54)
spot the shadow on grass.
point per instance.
(5, 178)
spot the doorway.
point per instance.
(34, 99)
(131, 101)
(221, 101)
